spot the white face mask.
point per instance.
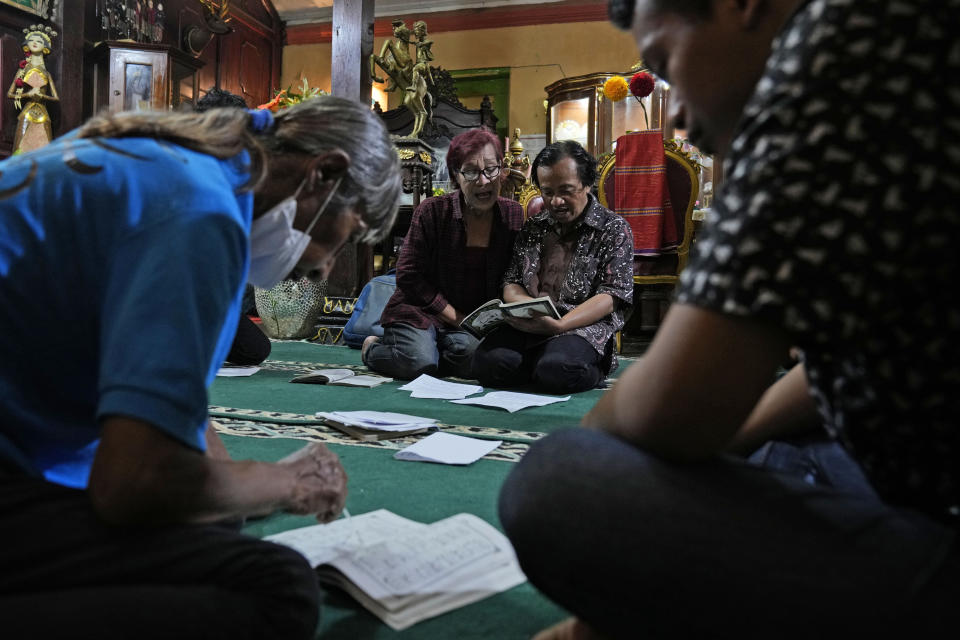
(275, 246)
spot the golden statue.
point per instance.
(424, 54)
(31, 87)
(517, 164)
(405, 75)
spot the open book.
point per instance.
(370, 426)
(344, 377)
(493, 313)
(404, 571)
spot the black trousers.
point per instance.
(250, 346)
(64, 573)
(561, 364)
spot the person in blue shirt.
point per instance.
(124, 249)
(250, 345)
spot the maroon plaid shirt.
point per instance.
(431, 272)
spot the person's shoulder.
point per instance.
(542, 218)
(511, 210)
(439, 210)
(442, 202)
(175, 164)
(603, 218)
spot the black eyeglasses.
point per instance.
(474, 174)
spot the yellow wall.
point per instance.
(536, 55)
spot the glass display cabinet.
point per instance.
(129, 76)
(578, 110)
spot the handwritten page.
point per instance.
(377, 420)
(511, 401)
(232, 371)
(404, 571)
(415, 562)
(321, 543)
(429, 387)
(447, 448)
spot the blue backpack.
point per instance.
(365, 319)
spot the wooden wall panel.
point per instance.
(245, 61)
(248, 63)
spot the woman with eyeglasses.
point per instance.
(452, 261)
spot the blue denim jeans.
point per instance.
(404, 352)
(794, 544)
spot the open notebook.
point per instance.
(405, 571)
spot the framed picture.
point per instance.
(37, 7)
(138, 85)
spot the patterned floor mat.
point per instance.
(274, 424)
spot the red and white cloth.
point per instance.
(641, 195)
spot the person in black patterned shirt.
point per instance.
(827, 503)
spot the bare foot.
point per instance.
(569, 629)
(369, 340)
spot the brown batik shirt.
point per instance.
(601, 261)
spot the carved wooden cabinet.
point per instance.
(130, 76)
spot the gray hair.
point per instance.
(372, 183)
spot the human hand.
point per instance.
(321, 483)
(539, 325)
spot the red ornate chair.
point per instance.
(655, 277)
(530, 199)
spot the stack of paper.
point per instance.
(429, 387)
(447, 448)
(378, 420)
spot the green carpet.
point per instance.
(265, 417)
(270, 390)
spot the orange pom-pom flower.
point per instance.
(615, 89)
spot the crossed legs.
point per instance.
(639, 547)
(67, 574)
(561, 364)
(404, 352)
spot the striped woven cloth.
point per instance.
(641, 195)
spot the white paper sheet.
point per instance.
(447, 448)
(378, 420)
(511, 401)
(429, 387)
(236, 372)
